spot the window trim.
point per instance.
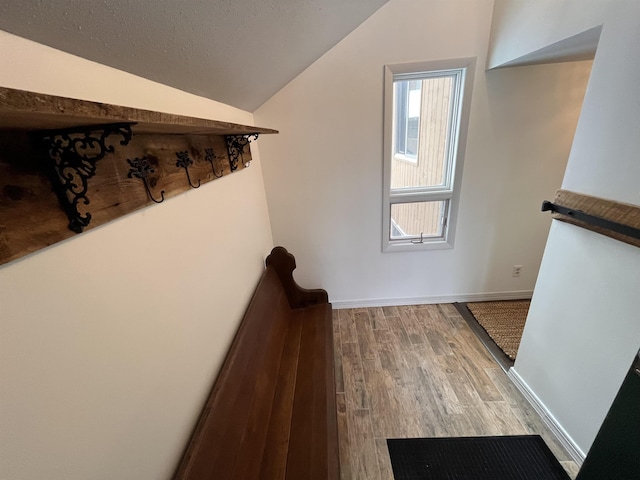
(449, 192)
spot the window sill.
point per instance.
(413, 160)
(408, 246)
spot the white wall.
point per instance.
(110, 341)
(323, 173)
(583, 330)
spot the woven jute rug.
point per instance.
(503, 321)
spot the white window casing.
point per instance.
(415, 198)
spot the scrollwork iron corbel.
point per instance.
(235, 148)
(74, 153)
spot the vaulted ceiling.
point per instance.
(238, 52)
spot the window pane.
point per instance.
(422, 123)
(412, 219)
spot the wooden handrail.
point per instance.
(607, 217)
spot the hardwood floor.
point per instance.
(419, 371)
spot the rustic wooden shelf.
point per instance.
(67, 165)
(22, 110)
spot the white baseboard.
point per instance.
(465, 297)
(576, 454)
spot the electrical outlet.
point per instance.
(517, 270)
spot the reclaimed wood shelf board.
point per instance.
(68, 165)
(22, 110)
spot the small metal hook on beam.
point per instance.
(185, 162)
(141, 168)
(210, 157)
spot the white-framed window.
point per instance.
(426, 113)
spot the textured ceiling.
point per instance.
(239, 52)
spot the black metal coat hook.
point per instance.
(185, 162)
(209, 156)
(141, 168)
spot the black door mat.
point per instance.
(516, 457)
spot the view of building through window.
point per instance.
(425, 122)
(417, 218)
(422, 124)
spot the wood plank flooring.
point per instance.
(419, 371)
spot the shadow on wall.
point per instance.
(534, 110)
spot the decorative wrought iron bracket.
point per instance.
(141, 168)
(235, 148)
(74, 153)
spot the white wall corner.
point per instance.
(576, 454)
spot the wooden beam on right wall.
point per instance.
(622, 214)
